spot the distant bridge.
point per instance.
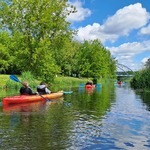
(125, 71)
(124, 75)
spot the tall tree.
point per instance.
(5, 58)
(36, 27)
(94, 60)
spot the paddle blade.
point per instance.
(99, 85)
(14, 78)
(65, 92)
(82, 84)
(69, 92)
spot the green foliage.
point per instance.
(12, 85)
(28, 76)
(25, 76)
(94, 60)
(38, 39)
(141, 79)
(38, 25)
(4, 58)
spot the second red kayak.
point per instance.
(89, 86)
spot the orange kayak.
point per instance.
(30, 98)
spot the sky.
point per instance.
(122, 26)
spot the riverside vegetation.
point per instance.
(59, 81)
(35, 36)
(141, 80)
(41, 41)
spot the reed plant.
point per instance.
(25, 76)
(30, 78)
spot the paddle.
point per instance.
(14, 78)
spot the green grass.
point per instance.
(3, 79)
(69, 81)
(59, 81)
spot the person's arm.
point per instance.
(47, 91)
(31, 92)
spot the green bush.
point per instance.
(141, 79)
(25, 76)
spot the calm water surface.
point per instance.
(104, 119)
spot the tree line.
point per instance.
(142, 77)
(36, 36)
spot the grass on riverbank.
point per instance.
(59, 81)
(3, 79)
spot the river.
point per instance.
(106, 118)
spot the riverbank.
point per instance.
(60, 80)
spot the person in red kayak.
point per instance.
(26, 90)
(42, 89)
(89, 82)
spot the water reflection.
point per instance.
(24, 107)
(109, 118)
(95, 100)
(145, 96)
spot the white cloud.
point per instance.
(81, 13)
(130, 18)
(127, 51)
(126, 19)
(144, 60)
(120, 24)
(91, 32)
(131, 48)
(145, 30)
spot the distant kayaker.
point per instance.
(26, 90)
(119, 82)
(89, 82)
(42, 89)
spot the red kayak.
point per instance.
(89, 86)
(119, 82)
(30, 98)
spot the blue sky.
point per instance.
(123, 27)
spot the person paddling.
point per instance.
(26, 90)
(42, 89)
(89, 82)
